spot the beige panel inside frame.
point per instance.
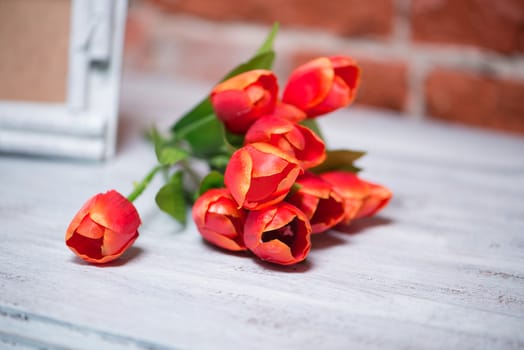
(34, 46)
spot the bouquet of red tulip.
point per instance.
(271, 182)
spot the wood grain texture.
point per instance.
(441, 268)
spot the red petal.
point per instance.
(289, 112)
(314, 153)
(293, 171)
(347, 69)
(314, 185)
(338, 96)
(219, 220)
(256, 221)
(243, 80)
(377, 199)
(117, 253)
(264, 127)
(268, 160)
(115, 212)
(284, 215)
(350, 188)
(225, 205)
(233, 107)
(222, 241)
(82, 213)
(260, 223)
(329, 212)
(115, 243)
(90, 229)
(309, 84)
(244, 98)
(86, 248)
(237, 176)
(295, 137)
(277, 252)
(305, 202)
(221, 224)
(263, 187)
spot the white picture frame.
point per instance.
(85, 125)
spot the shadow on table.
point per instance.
(131, 254)
(331, 238)
(319, 241)
(298, 268)
(326, 240)
(301, 267)
(363, 224)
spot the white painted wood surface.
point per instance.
(441, 268)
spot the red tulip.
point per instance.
(219, 220)
(242, 99)
(297, 140)
(259, 175)
(323, 206)
(361, 198)
(103, 228)
(279, 234)
(323, 85)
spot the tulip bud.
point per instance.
(323, 206)
(259, 175)
(242, 99)
(279, 234)
(323, 85)
(297, 140)
(104, 228)
(219, 220)
(361, 198)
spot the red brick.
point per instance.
(475, 99)
(343, 17)
(383, 83)
(491, 24)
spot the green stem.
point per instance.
(141, 186)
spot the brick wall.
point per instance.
(455, 60)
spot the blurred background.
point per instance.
(455, 60)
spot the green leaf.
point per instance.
(263, 59)
(170, 155)
(267, 45)
(212, 180)
(155, 136)
(208, 138)
(219, 162)
(203, 109)
(205, 136)
(339, 160)
(171, 199)
(166, 152)
(234, 141)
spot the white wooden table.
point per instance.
(441, 268)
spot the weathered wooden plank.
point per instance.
(441, 267)
(27, 330)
